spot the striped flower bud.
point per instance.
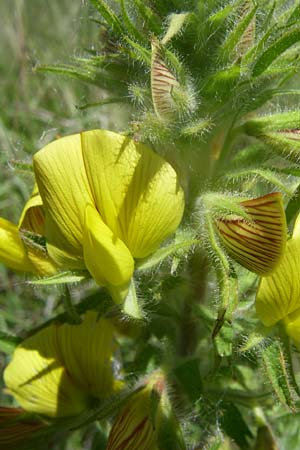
(147, 421)
(162, 83)
(257, 244)
(16, 428)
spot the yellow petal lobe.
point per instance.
(136, 191)
(38, 380)
(57, 371)
(12, 250)
(32, 217)
(86, 351)
(64, 188)
(292, 326)
(278, 294)
(106, 257)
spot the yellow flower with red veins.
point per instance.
(108, 200)
(57, 371)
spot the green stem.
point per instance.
(72, 315)
(289, 359)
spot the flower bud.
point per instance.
(147, 421)
(257, 244)
(16, 428)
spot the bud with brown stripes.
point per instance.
(257, 244)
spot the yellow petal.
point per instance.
(86, 351)
(292, 326)
(278, 294)
(135, 190)
(106, 257)
(296, 230)
(257, 245)
(43, 265)
(32, 217)
(12, 250)
(65, 191)
(38, 380)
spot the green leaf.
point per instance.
(62, 278)
(295, 16)
(223, 340)
(293, 206)
(236, 34)
(234, 425)
(274, 51)
(189, 376)
(8, 342)
(150, 19)
(278, 373)
(131, 28)
(21, 166)
(105, 101)
(91, 76)
(110, 17)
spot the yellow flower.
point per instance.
(108, 200)
(146, 418)
(257, 244)
(58, 370)
(278, 296)
(17, 250)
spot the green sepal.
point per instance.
(62, 278)
(131, 305)
(104, 409)
(278, 372)
(169, 433)
(176, 22)
(269, 176)
(181, 245)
